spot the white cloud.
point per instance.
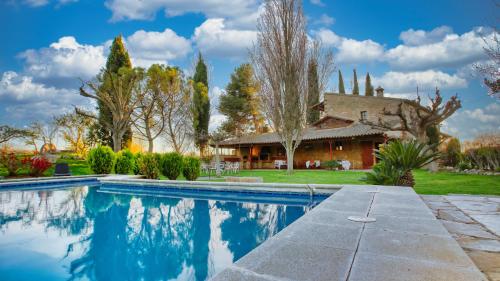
(212, 37)
(40, 3)
(413, 37)
(324, 19)
(24, 100)
(408, 81)
(146, 10)
(150, 47)
(65, 58)
(351, 50)
(466, 124)
(453, 50)
(318, 3)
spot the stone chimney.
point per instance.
(380, 91)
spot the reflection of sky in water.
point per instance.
(83, 234)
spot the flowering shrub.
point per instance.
(10, 162)
(37, 165)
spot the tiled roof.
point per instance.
(355, 130)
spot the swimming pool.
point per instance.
(92, 231)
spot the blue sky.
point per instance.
(49, 45)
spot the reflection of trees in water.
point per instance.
(60, 210)
(249, 224)
(135, 239)
(122, 237)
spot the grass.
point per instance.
(426, 182)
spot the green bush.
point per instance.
(191, 168)
(101, 159)
(124, 162)
(135, 167)
(148, 166)
(171, 165)
(452, 153)
(332, 164)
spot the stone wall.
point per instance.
(350, 107)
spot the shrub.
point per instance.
(191, 168)
(101, 159)
(332, 164)
(135, 167)
(10, 162)
(452, 153)
(171, 165)
(124, 162)
(485, 158)
(398, 159)
(37, 165)
(148, 166)
(464, 165)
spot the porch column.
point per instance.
(331, 150)
(250, 156)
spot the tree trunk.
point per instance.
(150, 145)
(117, 142)
(217, 160)
(289, 159)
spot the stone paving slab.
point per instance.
(454, 215)
(491, 221)
(474, 230)
(488, 245)
(405, 243)
(373, 267)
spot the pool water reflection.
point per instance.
(82, 233)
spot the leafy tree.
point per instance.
(312, 91)
(240, 103)
(341, 84)
(355, 89)
(8, 133)
(118, 58)
(369, 92)
(453, 152)
(201, 105)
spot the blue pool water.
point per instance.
(115, 232)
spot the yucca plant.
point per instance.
(397, 160)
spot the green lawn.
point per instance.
(426, 183)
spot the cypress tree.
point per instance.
(201, 105)
(341, 84)
(312, 92)
(368, 86)
(355, 89)
(118, 58)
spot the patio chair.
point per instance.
(346, 165)
(279, 163)
(236, 167)
(317, 163)
(308, 164)
(62, 169)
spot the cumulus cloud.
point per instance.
(212, 37)
(150, 47)
(324, 19)
(429, 79)
(453, 50)
(146, 10)
(351, 50)
(318, 3)
(65, 58)
(413, 37)
(24, 100)
(468, 123)
(39, 3)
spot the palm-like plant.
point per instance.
(398, 159)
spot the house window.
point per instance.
(338, 145)
(364, 115)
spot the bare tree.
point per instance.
(491, 69)
(8, 133)
(74, 128)
(150, 112)
(121, 98)
(45, 133)
(177, 104)
(280, 59)
(323, 58)
(416, 118)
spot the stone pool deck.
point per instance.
(406, 242)
(474, 221)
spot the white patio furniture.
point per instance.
(346, 165)
(279, 163)
(317, 163)
(308, 164)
